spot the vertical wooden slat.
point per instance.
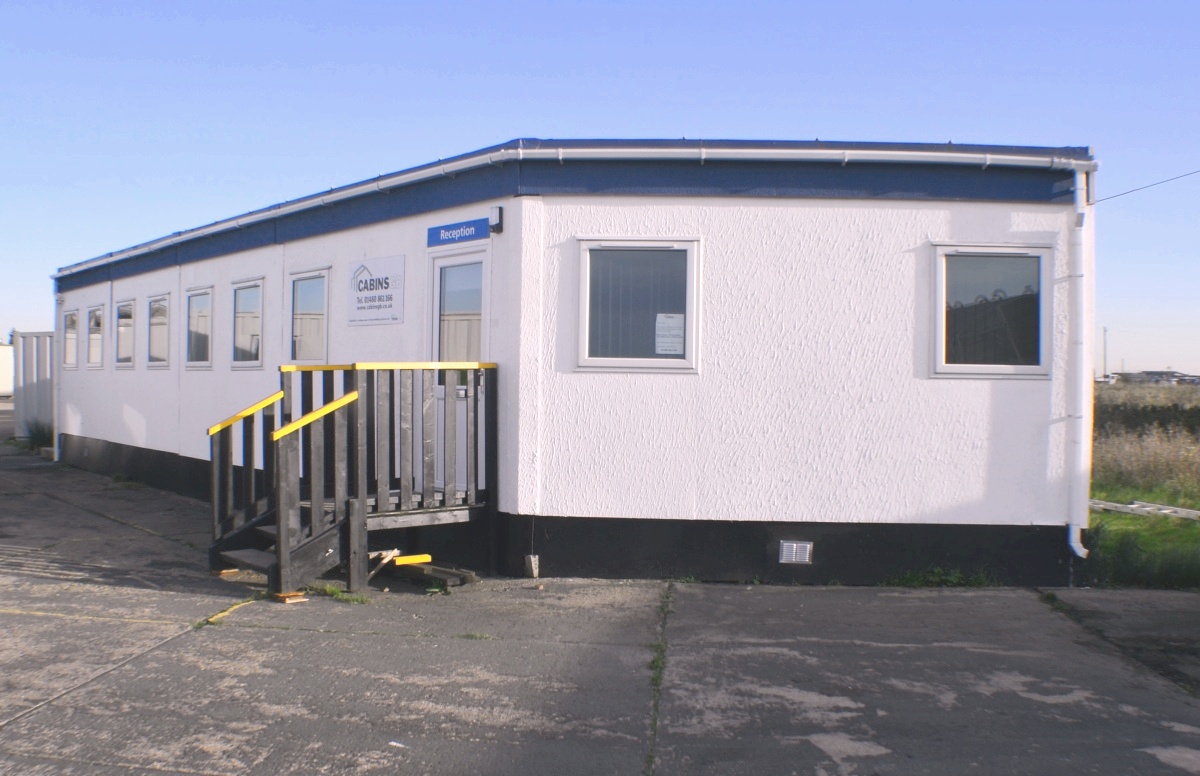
(268, 455)
(383, 440)
(361, 410)
(249, 492)
(340, 460)
(287, 451)
(491, 473)
(316, 478)
(428, 430)
(472, 473)
(215, 491)
(227, 504)
(450, 444)
(330, 428)
(305, 434)
(287, 385)
(405, 442)
(356, 539)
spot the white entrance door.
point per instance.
(458, 336)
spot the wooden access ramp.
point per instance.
(301, 478)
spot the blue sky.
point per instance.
(123, 122)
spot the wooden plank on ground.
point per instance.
(429, 573)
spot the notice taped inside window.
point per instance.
(668, 334)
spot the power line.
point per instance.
(1147, 186)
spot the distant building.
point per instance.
(1155, 378)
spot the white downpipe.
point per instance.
(1079, 458)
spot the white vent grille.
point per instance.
(795, 552)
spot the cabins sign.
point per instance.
(377, 292)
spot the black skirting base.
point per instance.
(167, 471)
(704, 550)
(726, 551)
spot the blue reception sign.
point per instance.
(460, 232)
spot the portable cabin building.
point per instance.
(810, 361)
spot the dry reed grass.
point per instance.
(1183, 396)
(1151, 459)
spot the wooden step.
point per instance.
(268, 531)
(257, 560)
(451, 576)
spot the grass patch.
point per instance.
(1136, 551)
(940, 577)
(1160, 494)
(40, 434)
(330, 590)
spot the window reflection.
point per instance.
(159, 326)
(247, 323)
(95, 345)
(199, 327)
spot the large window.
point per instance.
(71, 339)
(125, 334)
(639, 305)
(199, 328)
(993, 304)
(158, 344)
(247, 325)
(308, 318)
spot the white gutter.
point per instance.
(701, 154)
(1079, 452)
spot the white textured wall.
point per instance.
(170, 409)
(814, 399)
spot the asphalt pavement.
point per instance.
(121, 654)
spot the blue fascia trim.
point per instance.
(634, 178)
(799, 180)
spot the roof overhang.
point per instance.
(699, 151)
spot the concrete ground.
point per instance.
(120, 654)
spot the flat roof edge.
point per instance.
(700, 151)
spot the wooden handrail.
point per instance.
(321, 412)
(253, 408)
(366, 365)
(314, 367)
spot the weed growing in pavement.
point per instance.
(657, 666)
(330, 590)
(940, 577)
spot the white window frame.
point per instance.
(690, 363)
(129, 358)
(1045, 256)
(293, 278)
(150, 302)
(98, 363)
(73, 352)
(453, 256)
(262, 324)
(187, 326)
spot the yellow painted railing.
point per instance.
(321, 412)
(253, 408)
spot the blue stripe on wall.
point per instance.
(646, 178)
